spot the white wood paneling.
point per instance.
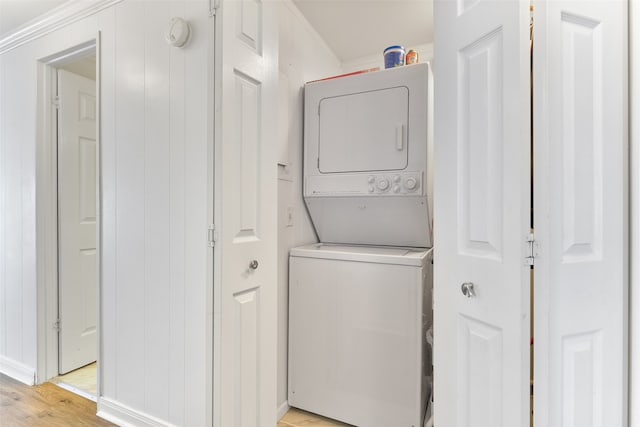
(18, 281)
(130, 207)
(197, 370)
(157, 125)
(154, 150)
(177, 170)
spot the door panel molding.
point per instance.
(581, 217)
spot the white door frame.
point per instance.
(47, 207)
(634, 214)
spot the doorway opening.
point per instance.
(68, 220)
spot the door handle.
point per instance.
(467, 290)
(399, 137)
(253, 264)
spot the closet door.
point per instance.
(581, 283)
(245, 317)
(482, 213)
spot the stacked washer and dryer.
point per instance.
(360, 301)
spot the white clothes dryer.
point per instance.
(367, 155)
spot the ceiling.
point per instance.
(15, 13)
(351, 28)
(357, 28)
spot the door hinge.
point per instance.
(56, 102)
(212, 235)
(214, 5)
(56, 325)
(532, 249)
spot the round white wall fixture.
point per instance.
(178, 33)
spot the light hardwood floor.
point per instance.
(297, 418)
(45, 405)
(82, 381)
(48, 405)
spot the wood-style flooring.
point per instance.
(82, 381)
(48, 405)
(44, 405)
(298, 418)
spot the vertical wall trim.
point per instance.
(634, 205)
(99, 211)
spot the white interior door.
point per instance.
(482, 213)
(246, 320)
(580, 81)
(77, 297)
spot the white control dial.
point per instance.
(410, 183)
(383, 184)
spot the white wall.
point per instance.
(303, 56)
(154, 143)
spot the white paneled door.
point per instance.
(581, 90)
(247, 213)
(482, 213)
(77, 288)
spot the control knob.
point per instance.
(410, 183)
(383, 184)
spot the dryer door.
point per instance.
(366, 131)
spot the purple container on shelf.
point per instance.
(393, 56)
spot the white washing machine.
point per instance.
(358, 318)
(367, 155)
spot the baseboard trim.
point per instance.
(283, 409)
(125, 416)
(17, 371)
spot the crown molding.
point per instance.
(65, 14)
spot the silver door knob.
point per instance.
(467, 290)
(253, 264)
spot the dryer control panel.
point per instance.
(381, 183)
(399, 183)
